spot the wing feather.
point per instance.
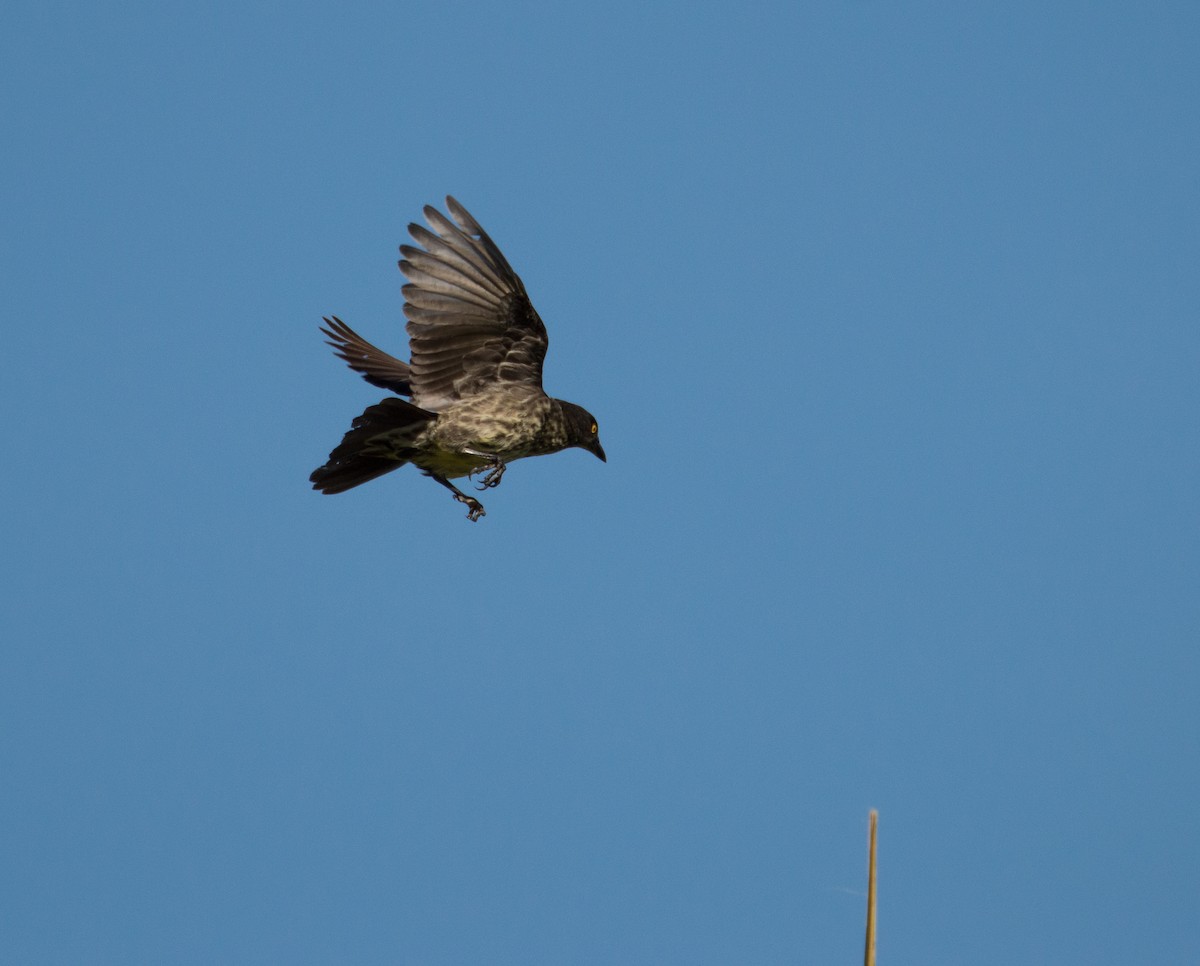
(375, 365)
(470, 322)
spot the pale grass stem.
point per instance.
(873, 821)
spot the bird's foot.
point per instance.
(475, 509)
(495, 470)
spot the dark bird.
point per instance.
(475, 376)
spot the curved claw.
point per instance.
(493, 477)
(475, 509)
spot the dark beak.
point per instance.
(599, 451)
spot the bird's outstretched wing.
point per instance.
(470, 323)
(375, 365)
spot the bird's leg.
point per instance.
(495, 467)
(475, 509)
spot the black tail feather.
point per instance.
(379, 441)
(340, 477)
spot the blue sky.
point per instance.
(889, 316)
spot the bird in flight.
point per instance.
(474, 378)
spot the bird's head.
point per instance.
(583, 430)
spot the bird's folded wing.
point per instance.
(470, 323)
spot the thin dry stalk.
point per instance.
(870, 955)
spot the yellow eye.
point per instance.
(594, 428)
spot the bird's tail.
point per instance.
(379, 441)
